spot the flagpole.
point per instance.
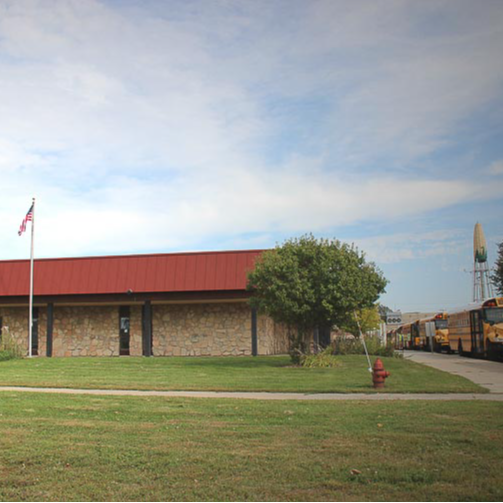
(30, 328)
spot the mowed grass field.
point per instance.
(59, 447)
(269, 373)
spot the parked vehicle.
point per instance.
(477, 329)
(406, 336)
(440, 336)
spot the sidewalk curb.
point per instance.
(493, 397)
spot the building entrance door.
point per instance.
(124, 335)
(477, 332)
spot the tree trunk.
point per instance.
(299, 345)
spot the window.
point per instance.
(493, 315)
(124, 330)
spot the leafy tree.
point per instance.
(307, 283)
(497, 276)
(368, 318)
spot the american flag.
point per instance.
(26, 219)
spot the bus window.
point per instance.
(493, 315)
(439, 324)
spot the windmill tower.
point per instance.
(482, 287)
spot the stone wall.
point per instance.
(42, 331)
(272, 337)
(15, 325)
(207, 329)
(85, 331)
(201, 329)
(213, 330)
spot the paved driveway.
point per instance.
(487, 374)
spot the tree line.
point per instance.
(497, 275)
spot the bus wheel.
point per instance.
(437, 347)
(492, 353)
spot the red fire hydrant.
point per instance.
(379, 374)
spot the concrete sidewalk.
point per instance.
(265, 396)
(485, 373)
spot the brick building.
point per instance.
(176, 304)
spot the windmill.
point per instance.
(482, 287)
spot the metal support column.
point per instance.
(147, 328)
(254, 340)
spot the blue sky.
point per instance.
(192, 125)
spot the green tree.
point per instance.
(368, 318)
(497, 275)
(307, 283)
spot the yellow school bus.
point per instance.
(395, 335)
(407, 335)
(477, 329)
(441, 337)
(414, 335)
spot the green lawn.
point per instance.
(56, 447)
(269, 373)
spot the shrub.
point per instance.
(297, 346)
(324, 359)
(9, 348)
(345, 346)
(5, 355)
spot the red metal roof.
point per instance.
(174, 272)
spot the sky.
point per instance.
(181, 125)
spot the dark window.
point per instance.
(124, 335)
(441, 324)
(414, 329)
(324, 336)
(493, 315)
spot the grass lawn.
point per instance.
(56, 447)
(268, 373)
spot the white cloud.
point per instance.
(147, 215)
(145, 131)
(407, 246)
(13, 156)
